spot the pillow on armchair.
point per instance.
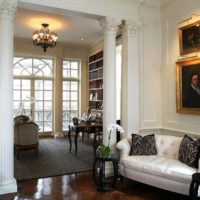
(143, 145)
(21, 119)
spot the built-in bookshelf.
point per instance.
(96, 82)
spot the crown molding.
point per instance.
(156, 3)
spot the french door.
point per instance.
(33, 93)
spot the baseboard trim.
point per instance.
(8, 188)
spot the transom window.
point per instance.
(70, 93)
(33, 90)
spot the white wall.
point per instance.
(150, 64)
(171, 16)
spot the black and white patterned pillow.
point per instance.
(189, 151)
(143, 145)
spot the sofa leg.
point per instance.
(121, 178)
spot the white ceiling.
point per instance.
(70, 28)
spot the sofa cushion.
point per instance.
(167, 145)
(160, 166)
(143, 145)
(189, 151)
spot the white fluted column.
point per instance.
(7, 13)
(110, 26)
(130, 77)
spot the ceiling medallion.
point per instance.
(44, 38)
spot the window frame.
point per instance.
(72, 79)
(43, 78)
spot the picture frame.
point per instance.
(188, 86)
(189, 38)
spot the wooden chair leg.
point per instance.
(83, 135)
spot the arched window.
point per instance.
(33, 90)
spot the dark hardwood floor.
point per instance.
(81, 187)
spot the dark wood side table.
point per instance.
(99, 173)
(194, 186)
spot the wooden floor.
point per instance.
(81, 187)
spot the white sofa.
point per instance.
(163, 170)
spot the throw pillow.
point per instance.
(143, 145)
(189, 151)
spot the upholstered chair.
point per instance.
(26, 137)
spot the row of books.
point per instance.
(96, 105)
(96, 84)
(96, 74)
(96, 65)
(96, 56)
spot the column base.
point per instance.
(8, 188)
(59, 135)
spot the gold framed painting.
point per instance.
(189, 38)
(188, 86)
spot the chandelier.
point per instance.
(44, 38)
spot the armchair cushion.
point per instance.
(26, 134)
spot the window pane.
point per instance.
(74, 85)
(16, 95)
(39, 85)
(74, 96)
(38, 116)
(40, 124)
(27, 105)
(74, 65)
(66, 126)
(66, 85)
(74, 105)
(47, 116)
(16, 104)
(74, 114)
(38, 95)
(26, 84)
(66, 105)
(47, 126)
(16, 84)
(47, 71)
(48, 105)
(26, 94)
(48, 95)
(66, 73)
(66, 115)
(66, 64)
(65, 95)
(48, 85)
(74, 73)
(39, 105)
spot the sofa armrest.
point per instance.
(124, 147)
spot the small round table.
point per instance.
(194, 186)
(99, 173)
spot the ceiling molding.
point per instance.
(156, 3)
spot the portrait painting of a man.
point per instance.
(188, 86)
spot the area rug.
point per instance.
(54, 159)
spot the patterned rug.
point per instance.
(54, 159)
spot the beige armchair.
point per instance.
(25, 136)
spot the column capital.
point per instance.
(131, 28)
(110, 25)
(8, 7)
